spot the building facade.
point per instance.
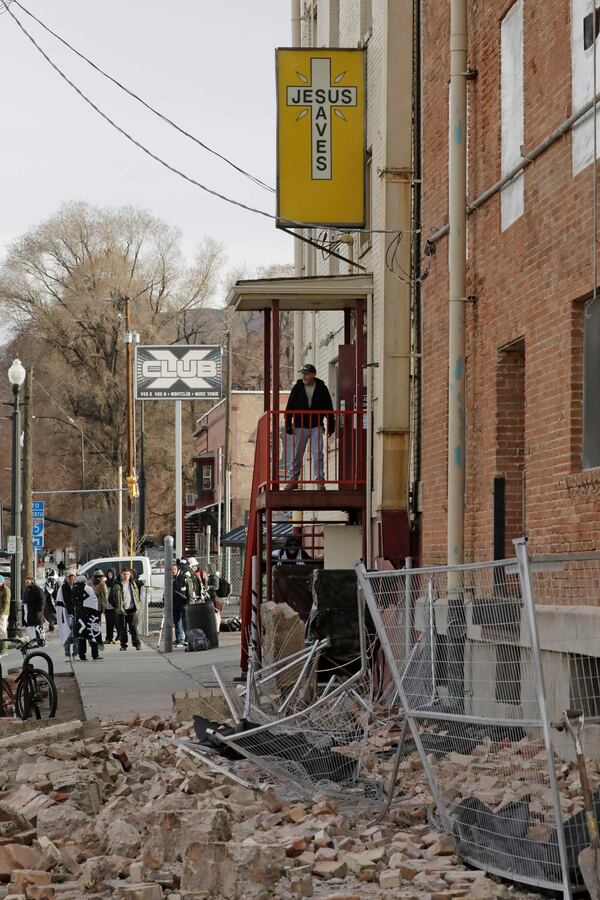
(532, 363)
(533, 323)
(384, 28)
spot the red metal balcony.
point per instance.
(302, 452)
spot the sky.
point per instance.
(208, 65)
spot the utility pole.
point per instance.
(120, 515)
(142, 478)
(227, 453)
(179, 536)
(457, 256)
(28, 554)
(132, 485)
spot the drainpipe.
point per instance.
(298, 253)
(457, 255)
(457, 252)
(297, 516)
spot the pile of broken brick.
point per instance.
(94, 810)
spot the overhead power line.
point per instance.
(126, 134)
(4, 7)
(144, 103)
(67, 416)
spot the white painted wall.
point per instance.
(512, 198)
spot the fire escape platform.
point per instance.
(311, 499)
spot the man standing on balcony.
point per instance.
(308, 406)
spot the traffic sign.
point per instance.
(38, 509)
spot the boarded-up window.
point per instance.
(583, 47)
(591, 385)
(512, 198)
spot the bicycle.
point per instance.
(35, 694)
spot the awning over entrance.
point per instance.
(296, 294)
(202, 511)
(237, 537)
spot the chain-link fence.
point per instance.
(484, 661)
(151, 602)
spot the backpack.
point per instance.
(197, 640)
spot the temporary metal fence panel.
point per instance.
(461, 644)
(309, 738)
(566, 590)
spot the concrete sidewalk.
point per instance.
(140, 681)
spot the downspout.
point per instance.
(457, 259)
(417, 424)
(368, 524)
(457, 255)
(298, 253)
(297, 515)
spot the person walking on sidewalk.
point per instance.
(98, 585)
(65, 614)
(4, 613)
(33, 608)
(127, 600)
(50, 593)
(309, 393)
(110, 614)
(87, 620)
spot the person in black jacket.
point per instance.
(307, 411)
(33, 607)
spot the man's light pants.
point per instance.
(296, 449)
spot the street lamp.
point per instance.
(16, 376)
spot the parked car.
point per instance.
(140, 564)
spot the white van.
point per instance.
(141, 565)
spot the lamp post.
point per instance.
(16, 376)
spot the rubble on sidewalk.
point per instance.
(123, 811)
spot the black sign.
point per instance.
(178, 372)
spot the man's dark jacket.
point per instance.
(321, 402)
(33, 596)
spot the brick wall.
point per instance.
(528, 280)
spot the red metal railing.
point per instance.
(318, 448)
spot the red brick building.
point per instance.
(533, 336)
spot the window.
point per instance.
(583, 47)
(591, 385)
(366, 19)
(585, 683)
(512, 197)
(334, 23)
(207, 478)
(510, 439)
(332, 381)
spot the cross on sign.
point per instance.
(322, 99)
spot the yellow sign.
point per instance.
(321, 108)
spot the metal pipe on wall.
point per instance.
(298, 251)
(457, 253)
(368, 524)
(179, 539)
